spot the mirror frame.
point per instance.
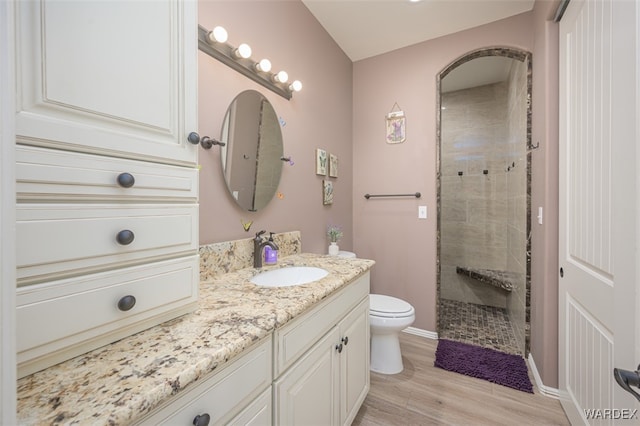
(274, 151)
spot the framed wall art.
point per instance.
(327, 192)
(321, 162)
(333, 165)
(396, 125)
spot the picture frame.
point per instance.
(333, 165)
(321, 162)
(396, 127)
(327, 192)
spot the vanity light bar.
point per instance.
(214, 44)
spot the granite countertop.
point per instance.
(121, 382)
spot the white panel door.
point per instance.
(111, 77)
(598, 207)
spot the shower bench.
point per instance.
(504, 280)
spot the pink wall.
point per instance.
(388, 230)
(317, 117)
(544, 193)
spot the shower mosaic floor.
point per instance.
(479, 325)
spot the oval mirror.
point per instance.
(252, 156)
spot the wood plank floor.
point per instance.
(425, 395)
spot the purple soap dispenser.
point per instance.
(270, 253)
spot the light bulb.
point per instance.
(296, 86)
(281, 77)
(218, 35)
(264, 65)
(243, 51)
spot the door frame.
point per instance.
(7, 216)
(517, 54)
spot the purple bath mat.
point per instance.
(482, 363)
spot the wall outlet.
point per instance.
(539, 215)
(422, 212)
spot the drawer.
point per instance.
(50, 174)
(295, 337)
(225, 393)
(57, 240)
(69, 317)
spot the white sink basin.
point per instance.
(287, 277)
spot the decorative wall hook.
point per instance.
(287, 160)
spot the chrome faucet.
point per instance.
(259, 244)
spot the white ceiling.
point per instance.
(365, 28)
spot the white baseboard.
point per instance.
(544, 390)
(420, 332)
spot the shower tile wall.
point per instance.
(474, 206)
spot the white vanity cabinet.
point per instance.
(237, 394)
(313, 370)
(106, 180)
(324, 381)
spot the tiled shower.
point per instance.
(483, 196)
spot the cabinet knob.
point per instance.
(345, 340)
(125, 237)
(126, 303)
(339, 348)
(193, 138)
(201, 419)
(126, 180)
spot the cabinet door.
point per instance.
(307, 394)
(354, 361)
(113, 78)
(258, 413)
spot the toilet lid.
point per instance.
(348, 254)
(390, 307)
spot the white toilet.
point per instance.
(388, 316)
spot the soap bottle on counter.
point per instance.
(270, 254)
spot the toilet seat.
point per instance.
(389, 307)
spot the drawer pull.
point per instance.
(345, 340)
(126, 180)
(339, 348)
(126, 303)
(201, 419)
(125, 237)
